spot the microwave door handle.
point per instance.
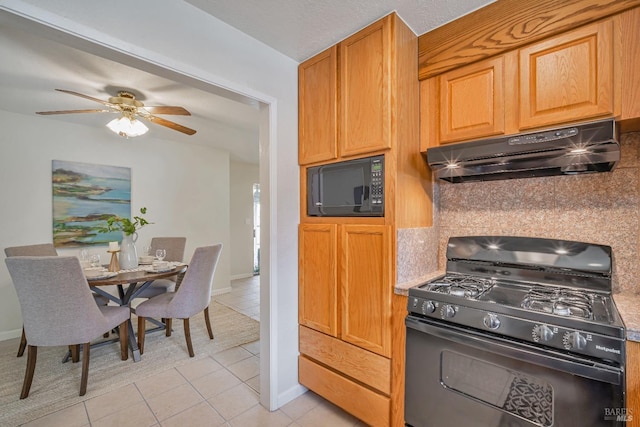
(320, 191)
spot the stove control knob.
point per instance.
(542, 333)
(491, 321)
(574, 341)
(428, 307)
(448, 311)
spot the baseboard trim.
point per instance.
(7, 335)
(288, 395)
(242, 276)
(215, 292)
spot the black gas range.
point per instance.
(548, 292)
(526, 309)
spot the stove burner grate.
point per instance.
(561, 302)
(462, 286)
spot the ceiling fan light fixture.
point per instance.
(127, 127)
(128, 108)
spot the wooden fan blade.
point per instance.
(70, 92)
(170, 125)
(177, 111)
(47, 113)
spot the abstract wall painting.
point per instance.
(84, 196)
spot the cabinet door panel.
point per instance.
(364, 90)
(354, 362)
(370, 407)
(317, 109)
(472, 101)
(318, 296)
(366, 287)
(569, 77)
(629, 65)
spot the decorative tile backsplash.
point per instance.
(416, 254)
(600, 208)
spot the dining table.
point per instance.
(129, 284)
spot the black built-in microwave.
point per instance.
(350, 188)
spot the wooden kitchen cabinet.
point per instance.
(362, 293)
(345, 96)
(568, 77)
(563, 79)
(366, 287)
(318, 277)
(351, 323)
(628, 44)
(365, 384)
(472, 103)
(317, 108)
(359, 299)
(365, 116)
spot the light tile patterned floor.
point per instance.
(244, 297)
(221, 390)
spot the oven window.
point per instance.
(513, 392)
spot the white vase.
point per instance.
(128, 253)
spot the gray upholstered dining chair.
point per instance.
(192, 297)
(40, 249)
(175, 252)
(58, 310)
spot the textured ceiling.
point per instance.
(302, 28)
(32, 67)
(296, 28)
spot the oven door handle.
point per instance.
(550, 359)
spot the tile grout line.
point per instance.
(147, 403)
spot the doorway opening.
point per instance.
(256, 229)
(267, 143)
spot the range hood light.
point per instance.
(574, 169)
(575, 149)
(581, 150)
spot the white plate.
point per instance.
(104, 275)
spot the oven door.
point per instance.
(460, 377)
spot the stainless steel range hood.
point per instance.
(582, 148)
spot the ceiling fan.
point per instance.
(129, 109)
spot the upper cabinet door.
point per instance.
(317, 109)
(472, 101)
(569, 77)
(365, 88)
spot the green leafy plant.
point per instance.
(116, 223)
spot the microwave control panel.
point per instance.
(377, 182)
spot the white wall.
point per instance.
(243, 176)
(179, 37)
(181, 186)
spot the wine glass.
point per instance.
(84, 255)
(160, 254)
(94, 259)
